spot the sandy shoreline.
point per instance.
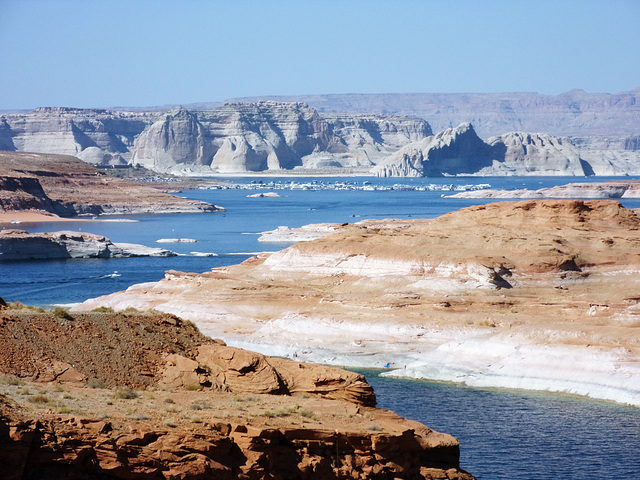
(31, 216)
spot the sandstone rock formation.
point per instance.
(601, 190)
(459, 151)
(21, 245)
(534, 294)
(451, 152)
(96, 136)
(66, 186)
(274, 136)
(235, 137)
(250, 417)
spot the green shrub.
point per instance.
(193, 387)
(103, 310)
(306, 414)
(62, 313)
(95, 383)
(125, 393)
(39, 399)
(11, 380)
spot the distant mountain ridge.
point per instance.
(575, 113)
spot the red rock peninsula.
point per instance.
(65, 186)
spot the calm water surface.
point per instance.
(522, 435)
(504, 435)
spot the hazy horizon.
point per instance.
(146, 53)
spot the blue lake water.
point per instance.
(504, 435)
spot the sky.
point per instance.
(105, 53)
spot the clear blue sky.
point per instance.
(99, 53)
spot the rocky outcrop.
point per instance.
(66, 186)
(240, 137)
(459, 151)
(602, 190)
(315, 424)
(520, 153)
(84, 447)
(26, 193)
(21, 245)
(94, 135)
(533, 294)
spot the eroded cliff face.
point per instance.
(275, 136)
(93, 135)
(66, 186)
(237, 137)
(242, 137)
(459, 151)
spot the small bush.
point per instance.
(125, 393)
(103, 310)
(193, 387)
(306, 414)
(95, 383)
(11, 380)
(246, 398)
(169, 400)
(170, 422)
(62, 313)
(200, 406)
(39, 399)
(65, 409)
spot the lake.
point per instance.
(503, 435)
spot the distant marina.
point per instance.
(347, 185)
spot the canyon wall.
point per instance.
(459, 151)
(233, 138)
(585, 135)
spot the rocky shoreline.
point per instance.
(533, 294)
(610, 190)
(145, 395)
(65, 186)
(21, 245)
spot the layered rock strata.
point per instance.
(270, 136)
(459, 151)
(21, 245)
(207, 410)
(602, 190)
(235, 137)
(535, 294)
(66, 186)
